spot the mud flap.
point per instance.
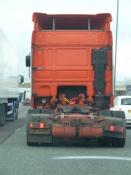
(38, 139)
(99, 61)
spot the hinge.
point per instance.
(34, 68)
(37, 68)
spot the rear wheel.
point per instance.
(118, 142)
(28, 142)
(16, 117)
(104, 142)
(13, 116)
(118, 114)
(2, 115)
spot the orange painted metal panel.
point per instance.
(70, 38)
(69, 57)
(43, 75)
(79, 76)
(42, 90)
(63, 57)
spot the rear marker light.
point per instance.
(112, 128)
(41, 125)
(30, 125)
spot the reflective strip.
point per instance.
(10, 112)
(10, 104)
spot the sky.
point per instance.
(16, 23)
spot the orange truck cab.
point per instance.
(71, 55)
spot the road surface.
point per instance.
(16, 158)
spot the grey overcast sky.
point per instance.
(16, 23)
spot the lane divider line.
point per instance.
(91, 158)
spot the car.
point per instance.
(123, 103)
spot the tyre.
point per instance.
(118, 114)
(28, 142)
(118, 142)
(104, 142)
(16, 117)
(13, 116)
(2, 115)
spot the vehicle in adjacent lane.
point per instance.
(123, 103)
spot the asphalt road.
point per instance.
(16, 158)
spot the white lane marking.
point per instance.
(92, 158)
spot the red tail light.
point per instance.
(111, 128)
(37, 125)
(41, 125)
(30, 125)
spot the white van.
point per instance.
(123, 103)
